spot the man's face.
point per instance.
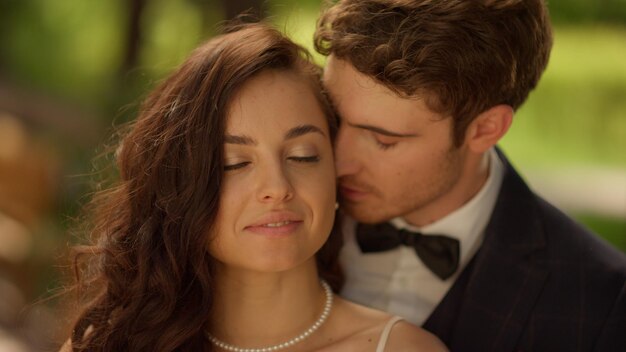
(394, 156)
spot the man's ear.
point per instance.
(488, 128)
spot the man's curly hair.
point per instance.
(462, 56)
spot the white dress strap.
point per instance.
(382, 342)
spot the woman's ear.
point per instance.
(488, 128)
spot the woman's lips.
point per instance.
(275, 229)
(276, 223)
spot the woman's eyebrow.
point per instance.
(243, 140)
(292, 133)
(302, 130)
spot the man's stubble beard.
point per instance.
(381, 208)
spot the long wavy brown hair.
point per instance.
(145, 282)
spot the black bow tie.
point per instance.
(439, 253)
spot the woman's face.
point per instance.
(278, 196)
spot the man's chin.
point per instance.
(366, 214)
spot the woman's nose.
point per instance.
(274, 184)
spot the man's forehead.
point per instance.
(343, 82)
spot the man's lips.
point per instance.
(351, 193)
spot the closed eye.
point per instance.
(385, 146)
(305, 159)
(236, 166)
(385, 142)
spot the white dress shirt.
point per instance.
(397, 281)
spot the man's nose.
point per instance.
(346, 155)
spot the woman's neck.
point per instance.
(263, 309)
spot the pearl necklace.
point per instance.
(327, 306)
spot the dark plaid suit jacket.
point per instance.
(540, 282)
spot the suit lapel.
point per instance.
(506, 279)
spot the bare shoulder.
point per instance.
(359, 328)
(67, 346)
(358, 316)
(407, 337)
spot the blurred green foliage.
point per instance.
(68, 48)
(577, 114)
(587, 11)
(613, 230)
